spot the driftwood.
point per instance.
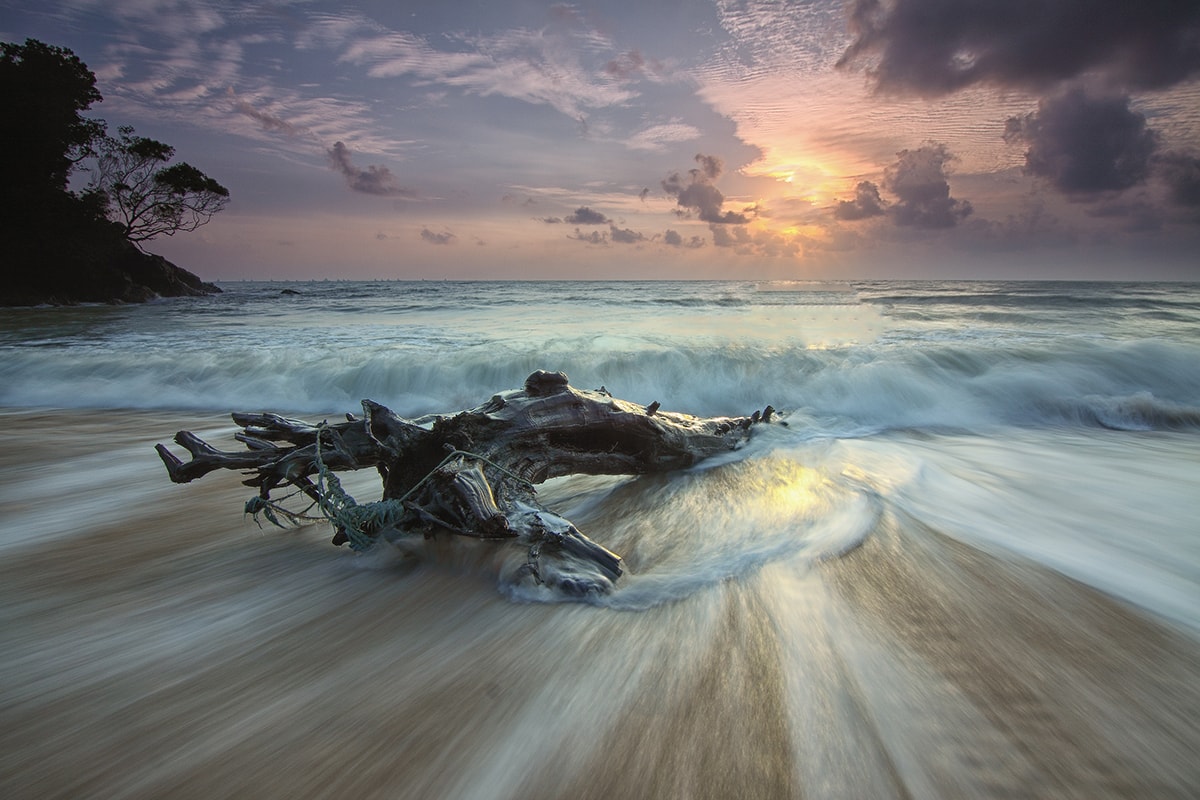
(473, 473)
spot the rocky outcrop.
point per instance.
(164, 279)
(120, 273)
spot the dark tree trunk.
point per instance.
(472, 473)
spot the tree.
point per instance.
(60, 246)
(470, 474)
(146, 198)
(42, 135)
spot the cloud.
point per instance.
(1083, 143)
(697, 192)
(626, 66)
(1033, 225)
(711, 166)
(674, 239)
(626, 235)
(595, 237)
(658, 137)
(267, 121)
(167, 18)
(446, 237)
(934, 47)
(1181, 172)
(866, 203)
(542, 67)
(918, 179)
(372, 180)
(330, 29)
(1138, 214)
(393, 54)
(763, 243)
(729, 237)
(585, 216)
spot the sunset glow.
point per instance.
(611, 140)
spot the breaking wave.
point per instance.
(840, 360)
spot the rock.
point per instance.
(102, 273)
(162, 278)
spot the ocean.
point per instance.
(968, 566)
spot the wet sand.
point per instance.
(155, 643)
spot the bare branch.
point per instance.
(147, 198)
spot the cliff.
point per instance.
(90, 269)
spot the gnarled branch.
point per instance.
(474, 473)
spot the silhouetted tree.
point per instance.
(59, 246)
(146, 198)
(42, 135)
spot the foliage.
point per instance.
(43, 90)
(146, 198)
(60, 246)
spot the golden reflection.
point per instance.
(792, 488)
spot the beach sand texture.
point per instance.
(155, 643)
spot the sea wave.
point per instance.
(851, 390)
(773, 504)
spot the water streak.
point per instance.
(968, 567)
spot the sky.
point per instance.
(663, 139)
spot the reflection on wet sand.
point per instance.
(155, 644)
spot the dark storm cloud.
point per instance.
(372, 180)
(1083, 143)
(697, 192)
(866, 203)
(918, 179)
(934, 47)
(1181, 173)
(446, 237)
(586, 216)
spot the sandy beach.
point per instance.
(155, 643)
(886, 312)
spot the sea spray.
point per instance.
(967, 567)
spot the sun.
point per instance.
(803, 175)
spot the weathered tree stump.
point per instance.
(473, 473)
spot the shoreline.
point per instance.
(154, 642)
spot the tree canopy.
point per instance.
(146, 198)
(67, 246)
(44, 89)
